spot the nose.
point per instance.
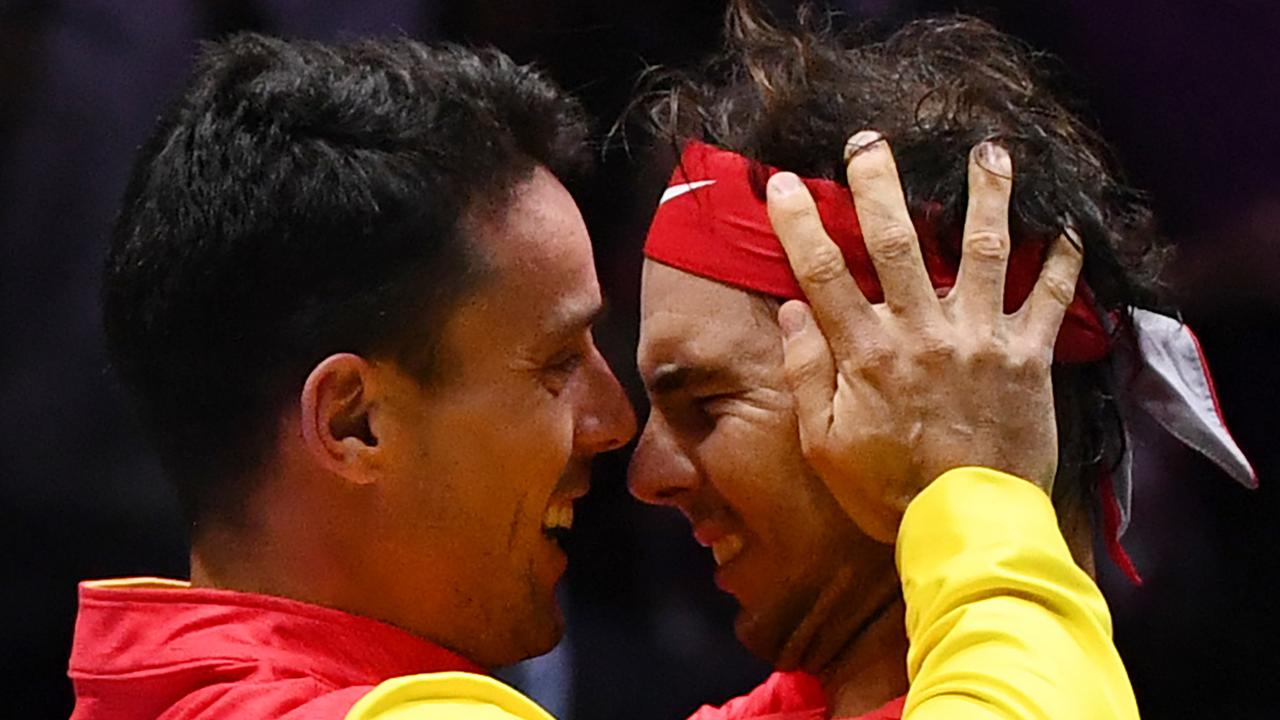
(660, 469)
(606, 420)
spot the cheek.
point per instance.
(772, 490)
(521, 428)
(758, 468)
(540, 437)
(528, 455)
(481, 466)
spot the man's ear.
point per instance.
(336, 402)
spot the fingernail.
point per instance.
(859, 142)
(995, 159)
(792, 318)
(785, 183)
(1073, 236)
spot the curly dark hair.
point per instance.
(301, 199)
(790, 96)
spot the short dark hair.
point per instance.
(301, 199)
(790, 96)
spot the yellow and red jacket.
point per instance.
(1002, 624)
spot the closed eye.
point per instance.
(558, 371)
(695, 416)
(713, 404)
(566, 364)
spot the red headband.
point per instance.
(711, 223)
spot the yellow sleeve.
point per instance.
(445, 696)
(1002, 622)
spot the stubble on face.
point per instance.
(490, 449)
(806, 580)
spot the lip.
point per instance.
(574, 491)
(707, 532)
(725, 575)
(574, 484)
(557, 559)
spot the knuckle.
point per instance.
(896, 242)
(824, 264)
(804, 368)
(1025, 362)
(1059, 289)
(1034, 364)
(987, 245)
(934, 351)
(988, 355)
(878, 358)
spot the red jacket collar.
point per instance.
(147, 625)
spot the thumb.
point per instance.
(810, 371)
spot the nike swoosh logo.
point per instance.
(676, 191)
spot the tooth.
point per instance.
(726, 548)
(558, 515)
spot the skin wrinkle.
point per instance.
(834, 619)
(936, 88)
(769, 96)
(816, 643)
(515, 521)
(836, 667)
(441, 515)
(809, 585)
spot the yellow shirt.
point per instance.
(445, 696)
(1002, 622)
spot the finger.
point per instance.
(1054, 291)
(887, 229)
(837, 302)
(810, 371)
(979, 291)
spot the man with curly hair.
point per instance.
(997, 179)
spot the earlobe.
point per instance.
(334, 406)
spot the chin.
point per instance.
(524, 642)
(762, 636)
(773, 625)
(541, 631)
(549, 636)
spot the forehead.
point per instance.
(537, 255)
(691, 321)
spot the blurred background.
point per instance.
(1187, 92)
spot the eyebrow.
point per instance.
(575, 321)
(670, 378)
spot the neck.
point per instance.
(854, 640)
(871, 669)
(862, 665)
(286, 544)
(258, 560)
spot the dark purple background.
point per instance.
(1188, 93)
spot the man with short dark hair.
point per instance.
(352, 300)
(353, 303)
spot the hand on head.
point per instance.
(890, 396)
